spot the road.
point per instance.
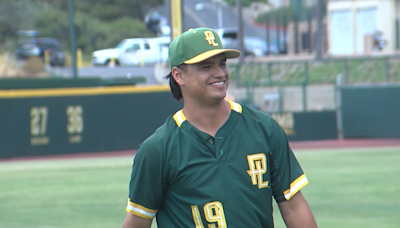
(110, 72)
(206, 17)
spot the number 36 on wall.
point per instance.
(75, 119)
(39, 120)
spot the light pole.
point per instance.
(201, 6)
(219, 7)
(73, 37)
(240, 30)
(176, 18)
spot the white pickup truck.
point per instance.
(134, 52)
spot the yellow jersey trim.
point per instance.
(235, 106)
(141, 211)
(89, 91)
(179, 117)
(295, 186)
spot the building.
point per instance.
(359, 27)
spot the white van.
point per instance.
(134, 52)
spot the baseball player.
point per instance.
(215, 163)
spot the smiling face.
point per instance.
(204, 82)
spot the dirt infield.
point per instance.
(298, 145)
(345, 143)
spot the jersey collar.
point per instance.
(179, 117)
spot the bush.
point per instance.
(289, 13)
(245, 3)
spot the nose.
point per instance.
(219, 72)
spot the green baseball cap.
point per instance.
(196, 45)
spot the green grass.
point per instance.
(357, 188)
(64, 193)
(348, 188)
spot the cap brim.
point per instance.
(229, 53)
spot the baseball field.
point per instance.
(353, 187)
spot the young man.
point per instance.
(214, 163)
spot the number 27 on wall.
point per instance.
(38, 120)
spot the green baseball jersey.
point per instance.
(187, 178)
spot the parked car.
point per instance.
(157, 23)
(254, 46)
(104, 56)
(38, 47)
(134, 51)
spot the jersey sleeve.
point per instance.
(286, 173)
(146, 184)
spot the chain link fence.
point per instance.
(306, 85)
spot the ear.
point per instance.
(177, 74)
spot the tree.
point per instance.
(245, 3)
(91, 33)
(11, 22)
(106, 10)
(99, 23)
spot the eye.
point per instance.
(205, 67)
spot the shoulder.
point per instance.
(159, 140)
(257, 116)
(263, 122)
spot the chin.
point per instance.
(220, 97)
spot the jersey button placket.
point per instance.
(211, 141)
(218, 146)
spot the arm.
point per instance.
(296, 213)
(133, 221)
(145, 187)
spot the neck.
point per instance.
(207, 118)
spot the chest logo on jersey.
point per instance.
(257, 168)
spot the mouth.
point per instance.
(218, 83)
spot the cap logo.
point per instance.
(210, 38)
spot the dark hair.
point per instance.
(175, 89)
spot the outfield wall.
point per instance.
(112, 118)
(371, 111)
(76, 120)
(300, 126)
(51, 121)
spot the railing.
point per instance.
(354, 70)
(253, 76)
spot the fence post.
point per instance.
(280, 98)
(309, 33)
(46, 58)
(339, 118)
(295, 35)
(278, 35)
(284, 27)
(397, 33)
(248, 93)
(304, 86)
(237, 68)
(267, 36)
(345, 79)
(386, 69)
(269, 78)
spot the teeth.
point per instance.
(217, 83)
